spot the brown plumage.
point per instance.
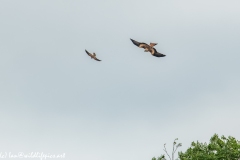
(92, 55)
(148, 48)
(153, 44)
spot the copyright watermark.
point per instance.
(37, 155)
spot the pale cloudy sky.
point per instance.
(55, 99)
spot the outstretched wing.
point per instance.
(88, 53)
(140, 44)
(153, 44)
(97, 59)
(135, 42)
(157, 54)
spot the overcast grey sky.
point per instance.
(55, 99)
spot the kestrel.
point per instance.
(92, 55)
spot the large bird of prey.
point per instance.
(148, 48)
(92, 55)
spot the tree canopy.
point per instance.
(219, 148)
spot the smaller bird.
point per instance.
(148, 48)
(92, 55)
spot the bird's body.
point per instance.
(148, 48)
(92, 55)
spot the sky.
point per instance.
(55, 99)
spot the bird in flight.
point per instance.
(92, 55)
(148, 48)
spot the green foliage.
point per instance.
(159, 158)
(218, 149)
